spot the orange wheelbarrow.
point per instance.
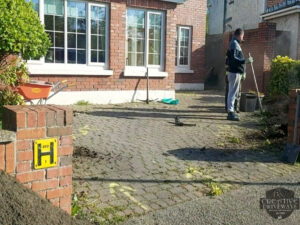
(40, 90)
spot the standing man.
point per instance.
(236, 70)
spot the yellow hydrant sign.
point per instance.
(45, 153)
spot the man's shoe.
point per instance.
(233, 116)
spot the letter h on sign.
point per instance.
(45, 153)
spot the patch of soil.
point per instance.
(84, 152)
(22, 206)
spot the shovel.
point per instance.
(254, 78)
(292, 150)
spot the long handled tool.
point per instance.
(291, 151)
(254, 78)
(147, 100)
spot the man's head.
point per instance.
(239, 34)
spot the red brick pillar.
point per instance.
(41, 122)
(291, 116)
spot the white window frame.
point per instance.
(183, 68)
(106, 35)
(40, 67)
(154, 70)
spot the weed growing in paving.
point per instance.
(234, 140)
(215, 189)
(105, 216)
(82, 102)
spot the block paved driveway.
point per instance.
(131, 159)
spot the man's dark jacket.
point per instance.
(235, 58)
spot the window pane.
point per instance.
(140, 59)
(102, 27)
(150, 59)
(71, 24)
(101, 45)
(72, 11)
(81, 9)
(98, 13)
(98, 27)
(59, 40)
(94, 27)
(81, 41)
(54, 7)
(59, 55)
(48, 22)
(131, 45)
(101, 56)
(94, 56)
(50, 56)
(94, 42)
(81, 57)
(71, 56)
(151, 46)
(59, 23)
(157, 33)
(71, 40)
(151, 33)
(157, 47)
(51, 36)
(81, 26)
(140, 46)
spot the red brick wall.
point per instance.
(7, 157)
(117, 52)
(273, 2)
(260, 43)
(38, 122)
(193, 13)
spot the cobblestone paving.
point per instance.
(131, 159)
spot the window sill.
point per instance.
(67, 69)
(141, 72)
(183, 70)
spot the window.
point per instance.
(183, 47)
(144, 38)
(78, 31)
(98, 37)
(54, 26)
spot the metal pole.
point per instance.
(254, 77)
(147, 100)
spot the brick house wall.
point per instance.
(117, 52)
(117, 30)
(192, 14)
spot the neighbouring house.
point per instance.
(286, 15)
(229, 15)
(260, 40)
(105, 47)
(271, 28)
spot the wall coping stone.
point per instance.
(7, 136)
